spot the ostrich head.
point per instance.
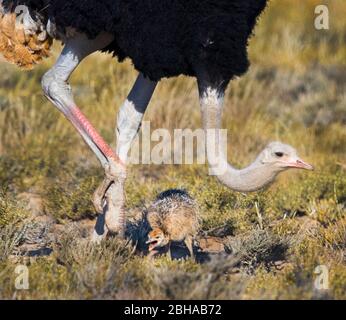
(157, 239)
(24, 40)
(278, 157)
(274, 159)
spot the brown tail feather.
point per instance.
(20, 34)
(19, 48)
(33, 44)
(22, 55)
(3, 42)
(8, 25)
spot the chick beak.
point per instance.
(152, 244)
(300, 164)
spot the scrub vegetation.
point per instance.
(272, 241)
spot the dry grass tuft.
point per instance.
(258, 248)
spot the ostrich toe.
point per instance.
(114, 173)
(109, 197)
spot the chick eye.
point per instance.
(279, 154)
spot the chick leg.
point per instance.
(189, 244)
(170, 251)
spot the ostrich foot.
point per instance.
(109, 198)
(114, 173)
(114, 210)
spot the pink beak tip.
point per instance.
(303, 165)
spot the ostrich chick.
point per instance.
(172, 217)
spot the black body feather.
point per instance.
(164, 38)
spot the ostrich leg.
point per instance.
(57, 90)
(129, 120)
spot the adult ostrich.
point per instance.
(206, 39)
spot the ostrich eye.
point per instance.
(279, 154)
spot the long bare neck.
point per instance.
(252, 178)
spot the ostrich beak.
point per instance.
(300, 164)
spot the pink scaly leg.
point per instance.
(91, 131)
